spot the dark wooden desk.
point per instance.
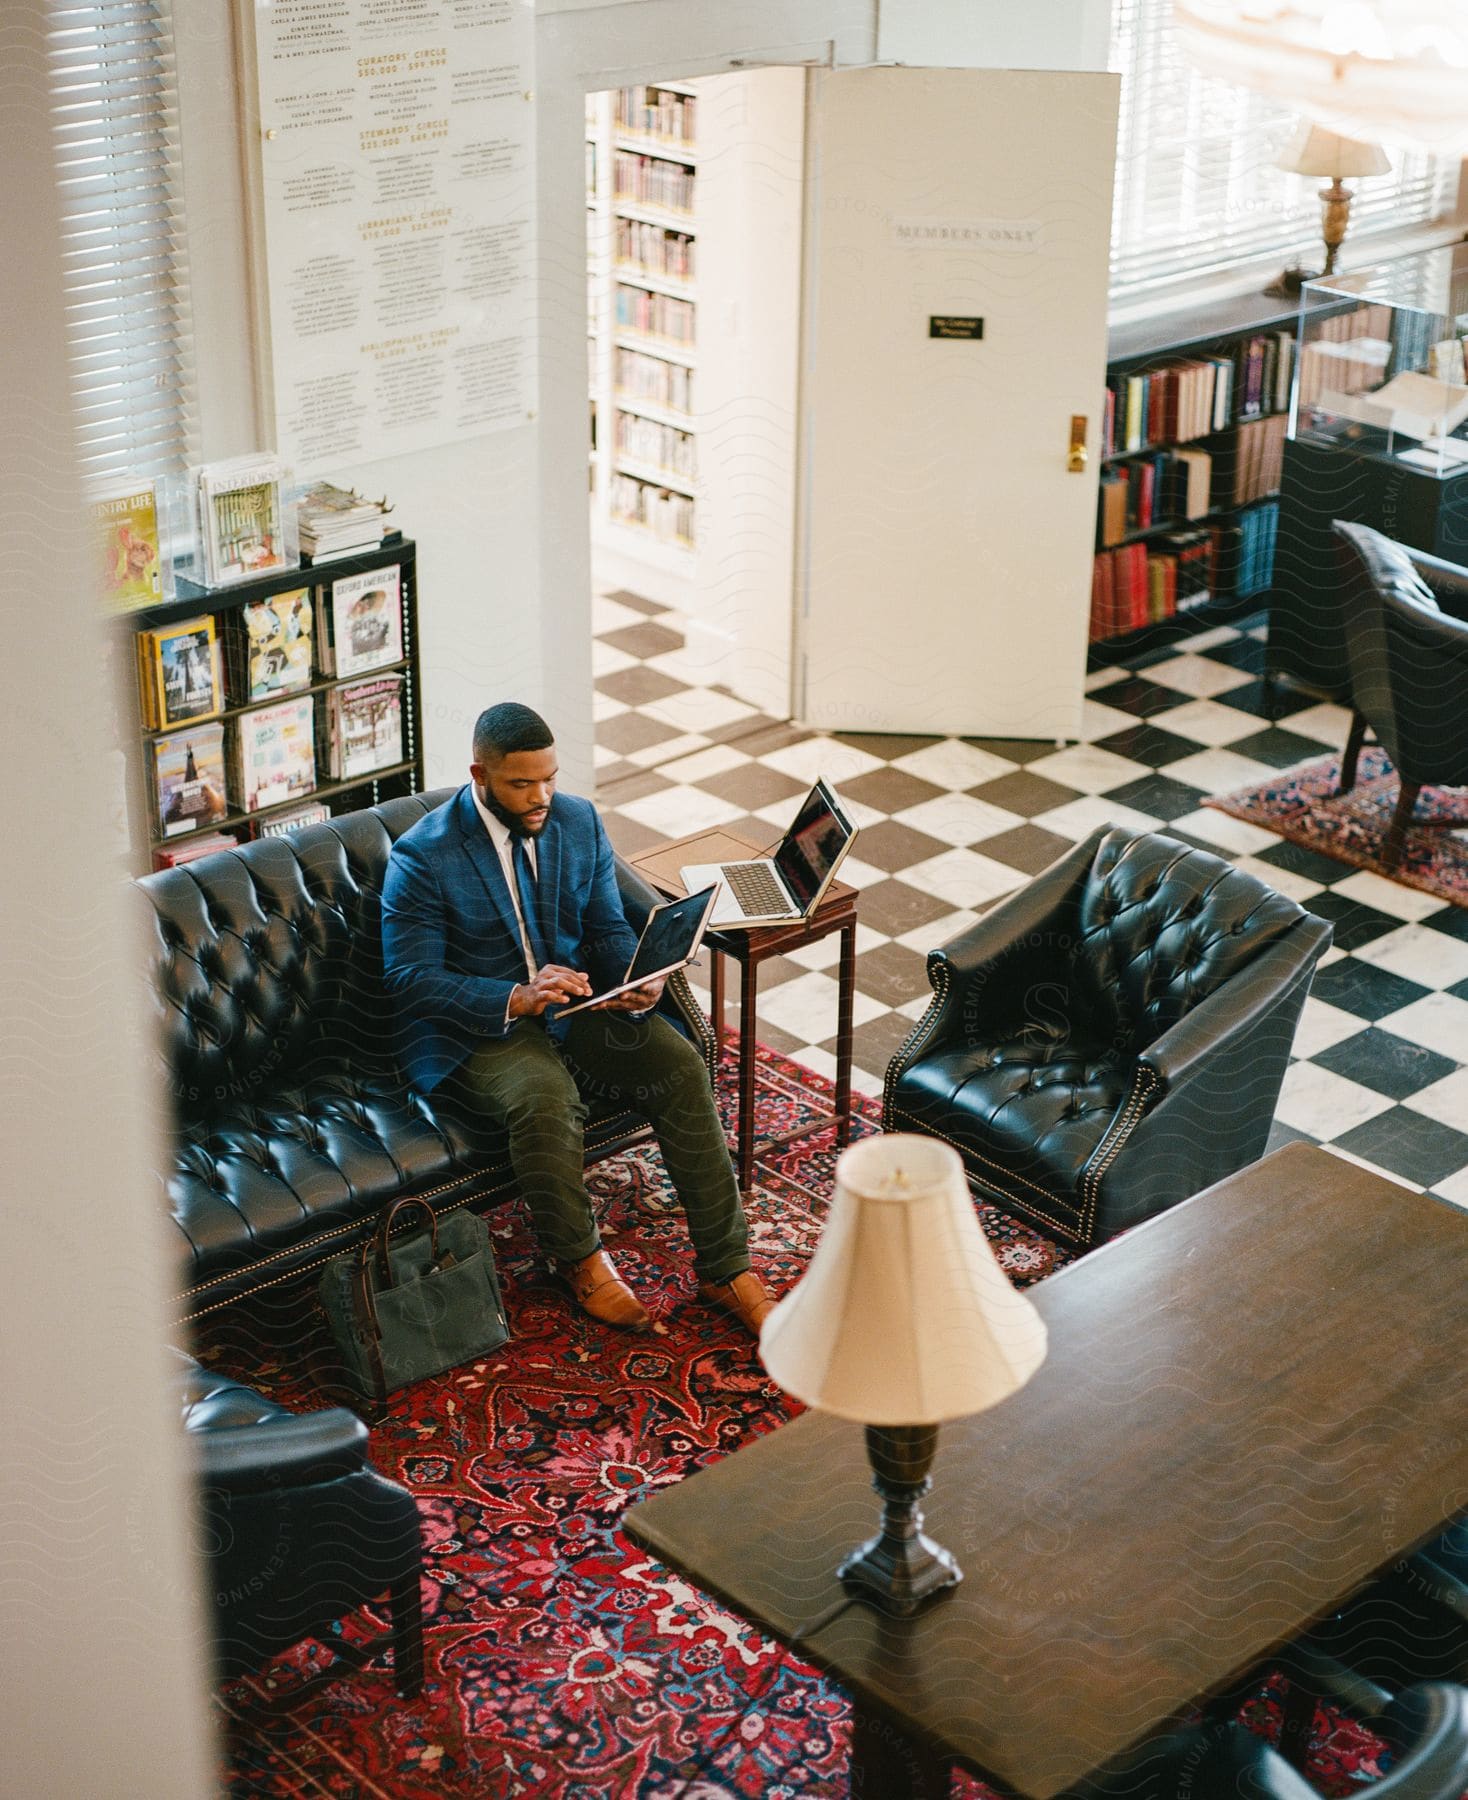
(836, 912)
(1250, 1405)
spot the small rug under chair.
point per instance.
(563, 1663)
(1301, 804)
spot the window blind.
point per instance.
(116, 131)
(1196, 189)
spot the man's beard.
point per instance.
(512, 822)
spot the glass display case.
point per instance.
(1381, 362)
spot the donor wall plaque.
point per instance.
(393, 199)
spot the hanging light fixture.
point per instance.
(1378, 70)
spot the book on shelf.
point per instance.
(1176, 402)
(178, 673)
(272, 754)
(189, 784)
(333, 521)
(1111, 513)
(1243, 551)
(360, 622)
(1144, 583)
(190, 849)
(281, 824)
(246, 518)
(1192, 484)
(364, 722)
(652, 181)
(132, 570)
(268, 646)
(650, 379)
(1251, 465)
(654, 112)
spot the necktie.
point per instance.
(525, 882)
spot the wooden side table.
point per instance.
(836, 912)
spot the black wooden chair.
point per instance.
(1112, 1038)
(1426, 1728)
(1407, 653)
(1409, 1625)
(297, 1530)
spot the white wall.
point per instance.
(994, 34)
(103, 1662)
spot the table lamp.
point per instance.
(903, 1319)
(1315, 151)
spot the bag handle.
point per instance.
(374, 1248)
(367, 1312)
(384, 1232)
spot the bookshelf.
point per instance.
(1193, 435)
(694, 207)
(226, 608)
(643, 228)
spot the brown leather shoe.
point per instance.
(744, 1296)
(602, 1294)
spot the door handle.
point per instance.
(1077, 458)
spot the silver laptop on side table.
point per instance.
(790, 883)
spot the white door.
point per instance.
(943, 563)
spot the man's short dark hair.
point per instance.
(502, 730)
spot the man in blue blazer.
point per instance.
(499, 907)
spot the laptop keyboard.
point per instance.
(755, 888)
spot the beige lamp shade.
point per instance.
(1315, 151)
(904, 1316)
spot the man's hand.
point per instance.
(635, 1000)
(552, 986)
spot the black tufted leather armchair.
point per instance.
(1112, 1038)
(297, 1528)
(1407, 654)
(294, 1124)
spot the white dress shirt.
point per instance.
(500, 837)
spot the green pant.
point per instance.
(542, 1090)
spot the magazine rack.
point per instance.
(322, 695)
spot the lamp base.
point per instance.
(900, 1568)
(1288, 285)
(899, 1582)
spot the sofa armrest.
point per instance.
(1235, 1009)
(292, 1452)
(1448, 581)
(638, 898)
(677, 1004)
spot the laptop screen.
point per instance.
(670, 935)
(813, 845)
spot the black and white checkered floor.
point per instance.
(950, 825)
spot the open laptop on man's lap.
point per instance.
(790, 883)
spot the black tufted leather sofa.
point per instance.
(297, 1528)
(1112, 1038)
(294, 1125)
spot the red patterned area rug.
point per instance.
(1302, 804)
(562, 1662)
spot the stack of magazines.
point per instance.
(334, 521)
